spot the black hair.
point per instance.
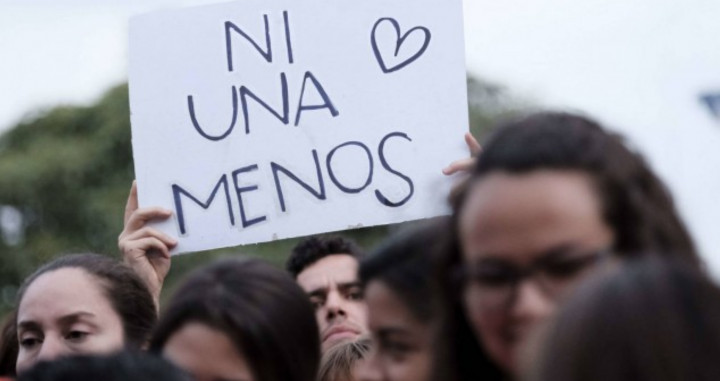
(314, 248)
(128, 295)
(403, 262)
(123, 366)
(260, 308)
(652, 320)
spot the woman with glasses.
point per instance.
(551, 198)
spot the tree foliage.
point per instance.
(66, 173)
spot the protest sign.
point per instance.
(266, 119)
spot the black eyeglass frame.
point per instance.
(462, 275)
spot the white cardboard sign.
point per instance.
(266, 119)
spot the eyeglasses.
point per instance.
(493, 282)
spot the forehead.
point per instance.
(332, 269)
(62, 292)
(206, 353)
(387, 312)
(530, 213)
(385, 307)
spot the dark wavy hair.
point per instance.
(635, 204)
(260, 308)
(314, 248)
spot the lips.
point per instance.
(338, 331)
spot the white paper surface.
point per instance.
(383, 111)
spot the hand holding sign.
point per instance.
(465, 165)
(146, 250)
(416, 32)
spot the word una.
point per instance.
(243, 95)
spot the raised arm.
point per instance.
(146, 250)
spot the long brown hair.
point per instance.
(635, 204)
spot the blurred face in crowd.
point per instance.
(65, 312)
(401, 343)
(207, 354)
(526, 239)
(334, 290)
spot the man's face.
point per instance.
(334, 290)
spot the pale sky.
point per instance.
(638, 66)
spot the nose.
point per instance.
(530, 305)
(369, 369)
(51, 349)
(335, 305)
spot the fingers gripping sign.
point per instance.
(145, 249)
(465, 165)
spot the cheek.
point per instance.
(23, 362)
(320, 314)
(114, 339)
(360, 311)
(110, 337)
(357, 312)
(484, 322)
(415, 368)
(420, 370)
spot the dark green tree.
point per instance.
(65, 174)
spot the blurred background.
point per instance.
(649, 69)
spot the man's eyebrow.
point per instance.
(352, 284)
(321, 291)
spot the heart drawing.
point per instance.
(398, 44)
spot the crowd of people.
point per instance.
(564, 259)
